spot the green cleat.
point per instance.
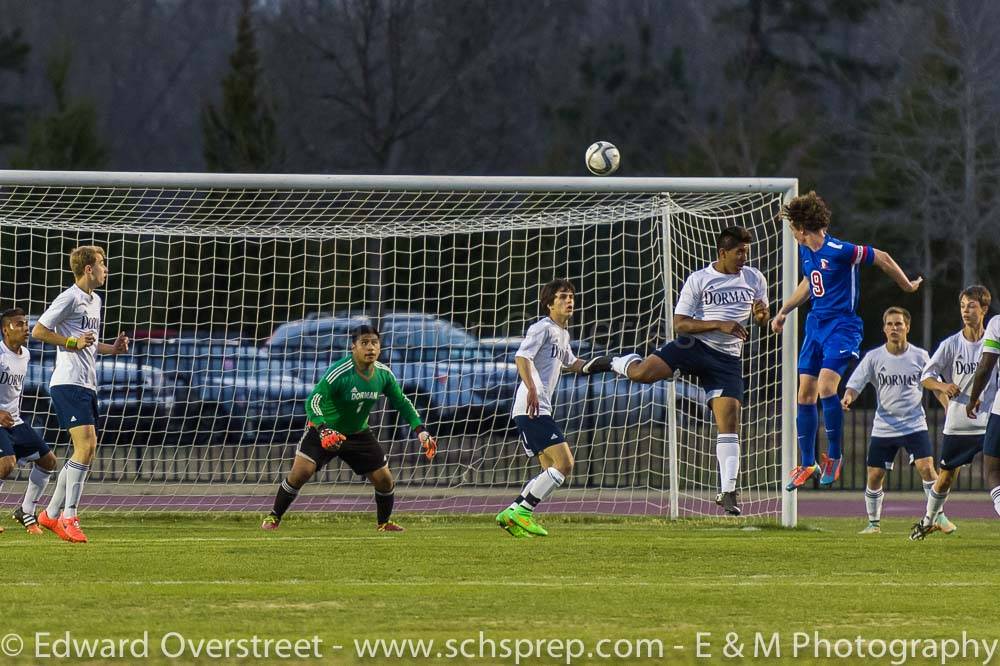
(526, 520)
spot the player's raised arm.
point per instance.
(889, 266)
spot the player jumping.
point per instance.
(833, 329)
(710, 320)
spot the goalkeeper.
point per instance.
(338, 411)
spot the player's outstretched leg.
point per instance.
(302, 470)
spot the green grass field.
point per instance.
(449, 578)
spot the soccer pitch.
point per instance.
(184, 587)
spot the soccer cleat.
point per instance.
(922, 528)
(729, 502)
(390, 526)
(800, 475)
(271, 522)
(53, 525)
(517, 532)
(27, 520)
(71, 526)
(831, 471)
(873, 528)
(505, 518)
(526, 521)
(945, 525)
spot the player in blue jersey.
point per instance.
(830, 269)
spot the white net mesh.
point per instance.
(237, 299)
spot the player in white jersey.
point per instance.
(18, 440)
(541, 358)
(710, 320)
(985, 374)
(73, 323)
(894, 370)
(949, 374)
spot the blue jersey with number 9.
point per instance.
(832, 272)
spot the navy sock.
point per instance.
(807, 423)
(833, 421)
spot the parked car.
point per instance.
(451, 378)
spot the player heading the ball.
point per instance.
(338, 410)
(711, 319)
(541, 358)
(832, 281)
(73, 324)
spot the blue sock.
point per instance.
(807, 423)
(833, 421)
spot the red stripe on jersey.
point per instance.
(859, 253)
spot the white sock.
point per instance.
(995, 494)
(541, 487)
(76, 475)
(58, 496)
(935, 504)
(524, 493)
(928, 487)
(727, 450)
(873, 502)
(37, 480)
(620, 363)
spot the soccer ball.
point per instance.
(603, 158)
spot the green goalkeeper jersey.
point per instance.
(343, 398)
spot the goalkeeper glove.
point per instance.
(597, 364)
(427, 443)
(329, 438)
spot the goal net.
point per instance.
(239, 291)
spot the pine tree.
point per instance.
(241, 137)
(66, 139)
(13, 53)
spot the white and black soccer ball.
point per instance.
(603, 158)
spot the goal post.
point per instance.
(239, 290)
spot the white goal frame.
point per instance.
(785, 187)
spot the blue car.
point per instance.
(228, 392)
(451, 378)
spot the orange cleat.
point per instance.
(52, 524)
(71, 526)
(831, 470)
(800, 475)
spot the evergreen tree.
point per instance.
(67, 138)
(13, 53)
(240, 136)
